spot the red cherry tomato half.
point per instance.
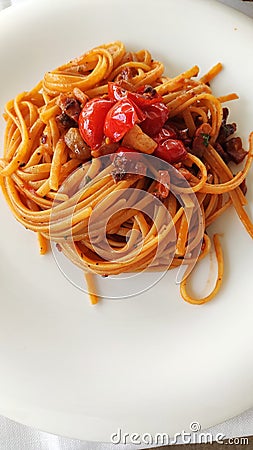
(116, 92)
(156, 116)
(171, 150)
(119, 119)
(91, 121)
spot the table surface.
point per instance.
(15, 436)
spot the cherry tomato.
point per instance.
(165, 133)
(151, 110)
(168, 132)
(170, 150)
(91, 121)
(116, 92)
(119, 119)
(156, 116)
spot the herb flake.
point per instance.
(206, 138)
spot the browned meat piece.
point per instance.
(226, 129)
(234, 149)
(74, 141)
(219, 149)
(198, 147)
(225, 114)
(69, 106)
(65, 122)
(229, 148)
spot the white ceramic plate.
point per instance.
(151, 363)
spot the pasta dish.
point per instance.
(124, 167)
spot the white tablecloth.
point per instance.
(14, 436)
